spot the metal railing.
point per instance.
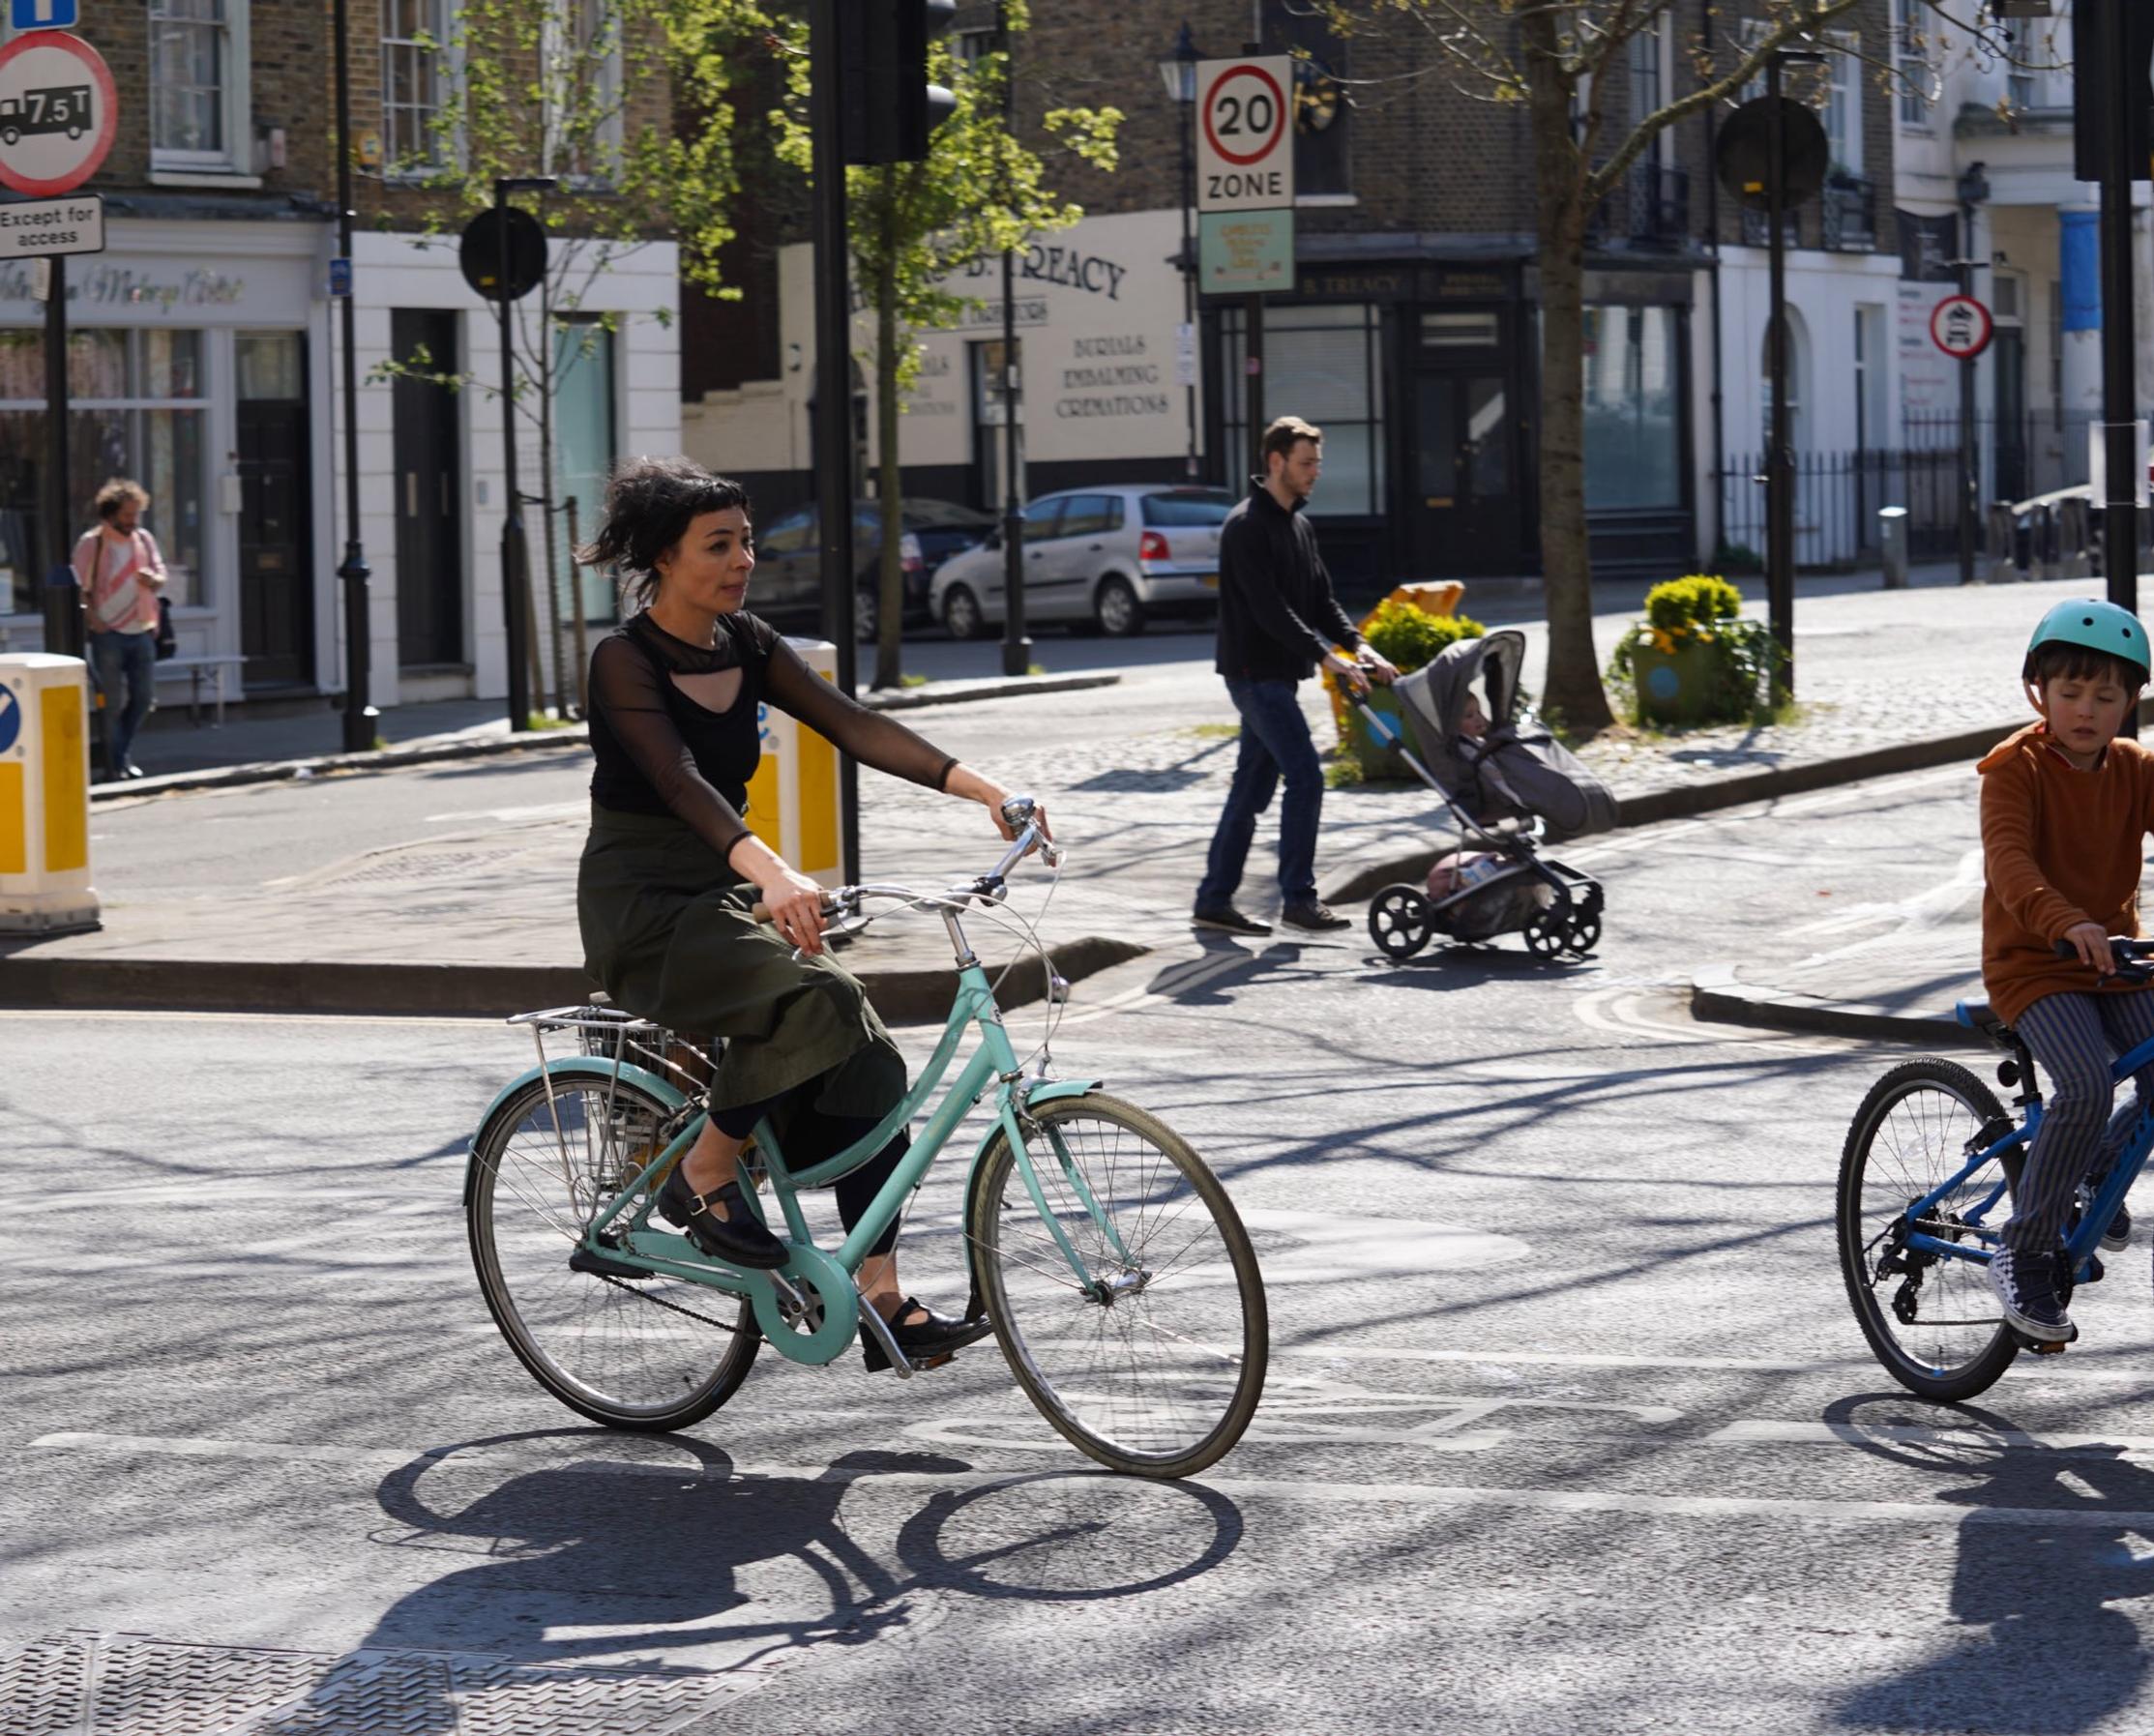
(1848, 212)
(1650, 209)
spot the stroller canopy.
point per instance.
(1433, 699)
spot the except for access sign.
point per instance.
(58, 113)
(43, 228)
(1245, 133)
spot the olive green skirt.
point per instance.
(666, 929)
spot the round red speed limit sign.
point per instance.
(58, 112)
(1961, 327)
(1245, 145)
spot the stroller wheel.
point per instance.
(1548, 932)
(1400, 921)
(1585, 931)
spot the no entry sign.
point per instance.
(1961, 327)
(1245, 133)
(58, 111)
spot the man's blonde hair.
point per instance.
(1289, 432)
(116, 494)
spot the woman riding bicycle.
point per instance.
(666, 924)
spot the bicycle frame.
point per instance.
(631, 1241)
(2080, 1243)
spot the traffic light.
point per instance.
(888, 105)
(2093, 124)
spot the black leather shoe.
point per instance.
(1317, 918)
(924, 1343)
(1227, 920)
(739, 1238)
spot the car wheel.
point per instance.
(1116, 610)
(960, 613)
(866, 616)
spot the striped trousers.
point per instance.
(2075, 1038)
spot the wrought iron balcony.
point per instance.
(1849, 210)
(1650, 209)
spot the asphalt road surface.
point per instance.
(1569, 1427)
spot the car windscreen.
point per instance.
(1188, 506)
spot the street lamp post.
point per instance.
(1973, 190)
(515, 551)
(1017, 644)
(1178, 72)
(360, 717)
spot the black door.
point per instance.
(276, 576)
(1465, 499)
(429, 542)
(2013, 481)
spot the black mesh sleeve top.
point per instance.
(659, 751)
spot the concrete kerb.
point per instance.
(574, 735)
(1358, 881)
(1719, 997)
(903, 996)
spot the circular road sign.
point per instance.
(58, 112)
(1743, 152)
(479, 252)
(1961, 327)
(1245, 115)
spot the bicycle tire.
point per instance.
(560, 1323)
(1094, 1400)
(1981, 1346)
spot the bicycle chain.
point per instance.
(661, 1302)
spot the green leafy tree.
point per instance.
(913, 226)
(1562, 62)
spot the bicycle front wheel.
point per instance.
(1932, 1320)
(1153, 1359)
(644, 1353)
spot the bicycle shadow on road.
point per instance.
(666, 1557)
(2045, 1650)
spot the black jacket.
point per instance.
(1276, 614)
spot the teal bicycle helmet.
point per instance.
(2093, 626)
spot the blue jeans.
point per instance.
(1275, 744)
(126, 666)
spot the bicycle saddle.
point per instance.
(1976, 1015)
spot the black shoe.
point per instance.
(1227, 920)
(599, 1265)
(1316, 916)
(2118, 1236)
(2026, 1285)
(739, 1238)
(924, 1342)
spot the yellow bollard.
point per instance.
(793, 799)
(45, 796)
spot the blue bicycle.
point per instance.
(1931, 1161)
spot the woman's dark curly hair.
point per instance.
(649, 505)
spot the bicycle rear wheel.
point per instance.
(1933, 1321)
(1154, 1361)
(650, 1353)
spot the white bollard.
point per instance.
(793, 800)
(45, 796)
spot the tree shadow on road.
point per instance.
(2045, 1650)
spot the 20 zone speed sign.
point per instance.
(1245, 135)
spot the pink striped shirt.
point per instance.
(109, 575)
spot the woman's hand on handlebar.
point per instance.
(790, 901)
(968, 786)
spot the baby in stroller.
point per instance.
(1505, 779)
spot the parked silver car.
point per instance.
(1109, 557)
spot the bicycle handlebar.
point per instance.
(2135, 958)
(1021, 812)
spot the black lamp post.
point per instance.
(1973, 191)
(1017, 644)
(516, 548)
(1178, 72)
(360, 717)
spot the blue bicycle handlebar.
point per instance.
(2135, 958)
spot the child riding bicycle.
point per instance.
(2065, 804)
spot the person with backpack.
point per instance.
(120, 571)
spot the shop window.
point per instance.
(414, 76)
(1322, 363)
(137, 412)
(1633, 432)
(198, 71)
(583, 447)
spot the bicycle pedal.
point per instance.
(598, 1265)
(2042, 1347)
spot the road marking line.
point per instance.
(1299, 1491)
(1768, 1432)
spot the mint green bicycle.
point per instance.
(1116, 1274)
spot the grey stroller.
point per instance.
(1508, 788)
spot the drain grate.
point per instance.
(130, 1685)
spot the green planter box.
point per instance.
(1682, 685)
(1377, 761)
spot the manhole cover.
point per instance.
(130, 1685)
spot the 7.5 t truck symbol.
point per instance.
(56, 108)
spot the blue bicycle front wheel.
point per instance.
(1931, 1318)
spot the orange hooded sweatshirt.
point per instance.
(2060, 846)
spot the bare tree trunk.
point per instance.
(1574, 690)
(889, 588)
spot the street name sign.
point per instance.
(1961, 327)
(39, 229)
(1245, 133)
(58, 113)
